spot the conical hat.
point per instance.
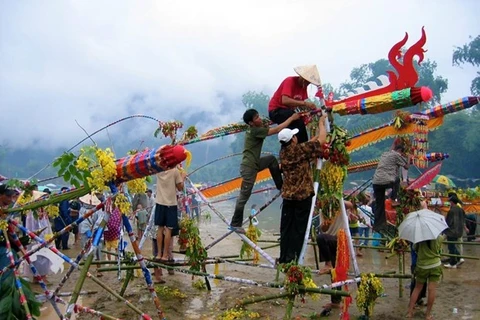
(309, 73)
(90, 199)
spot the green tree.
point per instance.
(469, 53)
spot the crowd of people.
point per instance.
(164, 207)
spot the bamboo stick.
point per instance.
(72, 267)
(370, 247)
(471, 243)
(18, 283)
(141, 262)
(401, 270)
(47, 294)
(393, 276)
(251, 300)
(128, 277)
(459, 256)
(312, 234)
(369, 238)
(86, 267)
(79, 309)
(113, 293)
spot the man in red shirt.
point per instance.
(292, 94)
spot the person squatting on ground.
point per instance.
(387, 175)
(252, 163)
(297, 190)
(292, 94)
(166, 209)
(428, 268)
(456, 224)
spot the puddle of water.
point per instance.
(202, 303)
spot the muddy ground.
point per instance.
(459, 288)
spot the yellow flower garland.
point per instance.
(137, 185)
(122, 203)
(252, 233)
(369, 290)
(103, 164)
(52, 211)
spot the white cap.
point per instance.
(286, 134)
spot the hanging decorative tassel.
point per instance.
(341, 268)
(420, 141)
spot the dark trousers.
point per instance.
(62, 241)
(327, 250)
(281, 115)
(293, 225)
(471, 223)
(452, 249)
(248, 181)
(380, 221)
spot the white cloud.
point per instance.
(98, 61)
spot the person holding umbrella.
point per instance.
(423, 228)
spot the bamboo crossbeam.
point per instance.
(252, 300)
(369, 238)
(18, 283)
(459, 256)
(471, 243)
(81, 309)
(222, 277)
(113, 293)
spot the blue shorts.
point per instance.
(166, 216)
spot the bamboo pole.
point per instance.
(225, 278)
(141, 262)
(370, 247)
(459, 256)
(128, 277)
(471, 243)
(86, 266)
(113, 293)
(18, 283)
(401, 265)
(369, 238)
(312, 234)
(251, 300)
(72, 267)
(242, 236)
(81, 309)
(393, 276)
(47, 294)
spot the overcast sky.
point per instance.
(98, 61)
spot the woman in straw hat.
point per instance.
(292, 94)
